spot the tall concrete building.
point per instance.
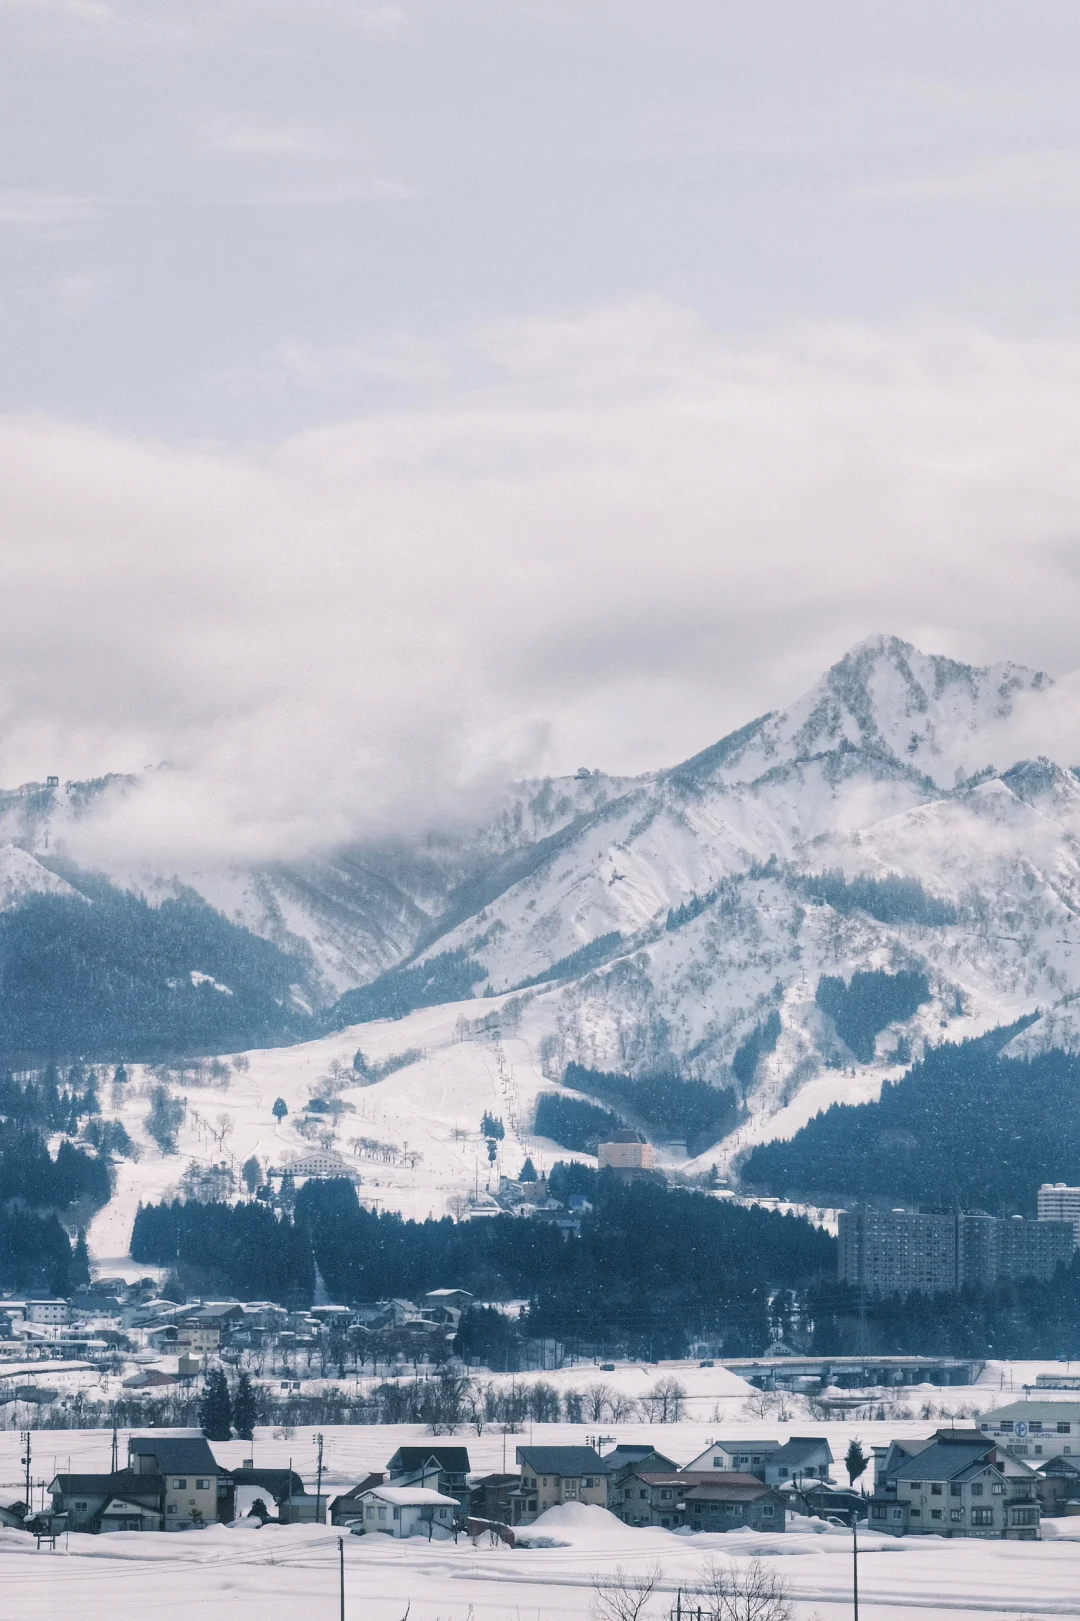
(898, 1251)
(935, 1252)
(1059, 1202)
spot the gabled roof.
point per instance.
(799, 1447)
(455, 1460)
(1060, 1466)
(565, 1461)
(411, 1497)
(742, 1446)
(730, 1487)
(123, 1482)
(944, 1460)
(626, 1455)
(280, 1483)
(185, 1455)
(124, 1505)
(375, 1477)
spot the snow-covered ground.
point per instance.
(430, 1109)
(291, 1573)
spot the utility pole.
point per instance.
(341, 1575)
(114, 1458)
(26, 1463)
(318, 1482)
(855, 1562)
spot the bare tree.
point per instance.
(457, 1204)
(597, 1400)
(624, 1595)
(664, 1403)
(622, 1407)
(747, 1592)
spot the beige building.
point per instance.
(626, 1153)
(189, 1472)
(551, 1475)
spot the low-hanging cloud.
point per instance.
(603, 539)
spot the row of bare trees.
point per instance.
(725, 1591)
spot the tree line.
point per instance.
(964, 1128)
(649, 1267)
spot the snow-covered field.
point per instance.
(291, 1573)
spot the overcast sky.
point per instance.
(397, 396)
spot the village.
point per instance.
(118, 1356)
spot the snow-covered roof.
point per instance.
(410, 1497)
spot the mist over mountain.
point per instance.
(888, 824)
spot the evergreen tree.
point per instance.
(215, 1407)
(281, 1109)
(855, 1461)
(251, 1171)
(80, 1262)
(528, 1172)
(244, 1408)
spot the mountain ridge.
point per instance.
(882, 767)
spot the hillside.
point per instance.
(797, 913)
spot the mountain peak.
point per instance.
(921, 713)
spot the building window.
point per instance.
(954, 1490)
(382, 1513)
(976, 1488)
(718, 1463)
(665, 1494)
(935, 1489)
(202, 1485)
(898, 1514)
(783, 1474)
(998, 1488)
(982, 1516)
(956, 1514)
(1064, 1429)
(397, 1514)
(179, 1485)
(935, 1514)
(767, 1511)
(916, 1513)
(878, 1511)
(1006, 1427)
(370, 1512)
(170, 1508)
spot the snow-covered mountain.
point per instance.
(658, 921)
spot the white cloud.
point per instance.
(43, 208)
(1051, 177)
(612, 538)
(245, 139)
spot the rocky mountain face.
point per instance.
(695, 890)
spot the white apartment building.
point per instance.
(1059, 1202)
